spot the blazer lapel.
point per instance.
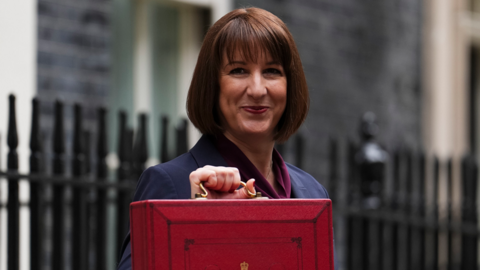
(205, 153)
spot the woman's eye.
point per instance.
(273, 71)
(237, 71)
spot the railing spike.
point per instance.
(140, 150)
(13, 206)
(123, 148)
(129, 148)
(79, 217)
(58, 140)
(58, 251)
(124, 197)
(102, 147)
(35, 138)
(469, 211)
(102, 173)
(122, 120)
(435, 241)
(36, 191)
(12, 137)
(87, 149)
(78, 141)
(182, 137)
(164, 139)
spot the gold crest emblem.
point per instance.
(244, 266)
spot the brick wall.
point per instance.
(358, 56)
(73, 59)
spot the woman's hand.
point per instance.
(220, 182)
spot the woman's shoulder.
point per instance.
(167, 180)
(183, 164)
(300, 174)
(303, 179)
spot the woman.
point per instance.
(248, 91)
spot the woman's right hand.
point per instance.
(220, 182)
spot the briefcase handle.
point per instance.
(251, 195)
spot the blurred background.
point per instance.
(392, 132)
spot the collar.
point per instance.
(205, 153)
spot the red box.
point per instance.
(223, 234)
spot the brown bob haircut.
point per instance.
(251, 32)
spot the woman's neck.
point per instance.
(259, 152)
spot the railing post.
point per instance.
(432, 245)
(124, 175)
(469, 211)
(370, 162)
(164, 157)
(37, 224)
(124, 145)
(140, 150)
(421, 209)
(58, 253)
(79, 215)
(396, 202)
(417, 245)
(354, 224)
(450, 265)
(13, 232)
(78, 163)
(90, 207)
(88, 152)
(407, 211)
(182, 138)
(102, 172)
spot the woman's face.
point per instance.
(253, 96)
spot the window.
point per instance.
(156, 45)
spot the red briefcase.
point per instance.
(231, 234)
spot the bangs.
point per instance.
(252, 39)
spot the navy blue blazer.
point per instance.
(170, 180)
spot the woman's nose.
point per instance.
(257, 87)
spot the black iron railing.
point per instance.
(388, 212)
(70, 213)
(399, 210)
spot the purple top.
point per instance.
(236, 158)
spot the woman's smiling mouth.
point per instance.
(255, 109)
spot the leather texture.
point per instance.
(170, 180)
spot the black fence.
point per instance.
(398, 210)
(402, 210)
(69, 214)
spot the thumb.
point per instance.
(250, 186)
(241, 193)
